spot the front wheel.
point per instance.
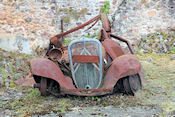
(135, 83)
(47, 86)
(128, 85)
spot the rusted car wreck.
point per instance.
(88, 67)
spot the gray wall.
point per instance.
(27, 24)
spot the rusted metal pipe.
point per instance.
(124, 40)
(62, 29)
(54, 40)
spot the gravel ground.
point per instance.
(157, 98)
(110, 111)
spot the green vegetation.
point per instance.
(172, 50)
(160, 75)
(67, 41)
(93, 98)
(72, 13)
(105, 8)
(159, 42)
(66, 19)
(64, 105)
(157, 92)
(13, 66)
(94, 35)
(34, 104)
(88, 36)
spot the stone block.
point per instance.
(3, 16)
(152, 13)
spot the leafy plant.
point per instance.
(63, 111)
(105, 8)
(33, 94)
(63, 105)
(88, 36)
(67, 41)
(4, 73)
(98, 99)
(172, 50)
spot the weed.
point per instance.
(88, 36)
(4, 73)
(72, 13)
(172, 50)
(105, 8)
(94, 35)
(33, 94)
(159, 74)
(168, 106)
(53, 22)
(75, 14)
(63, 111)
(63, 105)
(16, 103)
(160, 42)
(67, 41)
(93, 98)
(12, 85)
(66, 19)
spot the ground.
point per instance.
(157, 97)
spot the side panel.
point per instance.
(46, 68)
(113, 49)
(121, 67)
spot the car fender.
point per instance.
(121, 67)
(46, 68)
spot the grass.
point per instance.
(159, 90)
(160, 72)
(14, 65)
(67, 41)
(34, 104)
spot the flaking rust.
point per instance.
(88, 67)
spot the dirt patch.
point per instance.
(157, 97)
(111, 111)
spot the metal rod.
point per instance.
(62, 30)
(78, 27)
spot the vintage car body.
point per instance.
(88, 67)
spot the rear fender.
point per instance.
(121, 67)
(46, 68)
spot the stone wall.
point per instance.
(140, 17)
(27, 24)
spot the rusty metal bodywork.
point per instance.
(119, 63)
